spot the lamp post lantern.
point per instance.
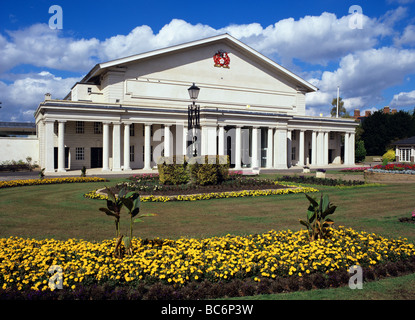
(193, 114)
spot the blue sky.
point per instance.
(373, 62)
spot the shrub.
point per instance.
(389, 156)
(208, 170)
(171, 172)
(360, 152)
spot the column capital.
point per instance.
(62, 121)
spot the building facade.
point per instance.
(126, 113)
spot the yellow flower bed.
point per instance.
(213, 195)
(32, 182)
(24, 263)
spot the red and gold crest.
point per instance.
(221, 59)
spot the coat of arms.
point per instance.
(221, 59)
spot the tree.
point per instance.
(360, 152)
(381, 129)
(342, 110)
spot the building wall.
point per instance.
(16, 148)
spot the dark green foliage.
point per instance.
(380, 130)
(360, 152)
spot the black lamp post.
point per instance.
(193, 114)
(193, 111)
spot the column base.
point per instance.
(61, 170)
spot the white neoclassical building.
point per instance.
(126, 113)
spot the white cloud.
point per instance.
(407, 38)
(20, 98)
(363, 76)
(41, 46)
(403, 99)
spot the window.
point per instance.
(405, 154)
(293, 153)
(331, 134)
(97, 127)
(79, 127)
(132, 130)
(131, 153)
(79, 153)
(89, 90)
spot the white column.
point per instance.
(127, 147)
(147, 146)
(184, 136)
(61, 146)
(254, 163)
(313, 148)
(221, 142)
(105, 146)
(238, 147)
(346, 149)
(352, 148)
(301, 149)
(326, 148)
(280, 149)
(49, 147)
(289, 148)
(320, 148)
(116, 146)
(167, 141)
(269, 148)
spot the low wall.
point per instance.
(388, 177)
(19, 148)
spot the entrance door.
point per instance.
(96, 157)
(55, 157)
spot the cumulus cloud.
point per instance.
(21, 98)
(363, 76)
(403, 99)
(363, 71)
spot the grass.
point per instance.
(61, 212)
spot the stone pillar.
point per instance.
(167, 140)
(326, 148)
(147, 146)
(270, 148)
(238, 145)
(289, 148)
(254, 163)
(49, 152)
(352, 148)
(313, 148)
(116, 146)
(127, 166)
(346, 149)
(301, 149)
(280, 149)
(61, 146)
(221, 142)
(105, 146)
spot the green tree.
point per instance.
(381, 129)
(360, 152)
(342, 110)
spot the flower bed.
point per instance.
(32, 182)
(358, 169)
(321, 181)
(212, 195)
(174, 264)
(394, 168)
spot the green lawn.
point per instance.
(61, 212)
